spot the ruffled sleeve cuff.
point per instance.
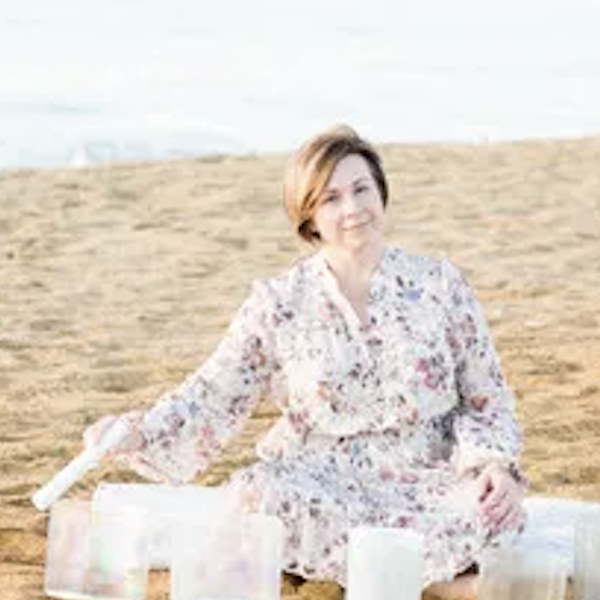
(160, 460)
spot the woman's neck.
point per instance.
(354, 269)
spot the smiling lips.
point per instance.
(356, 226)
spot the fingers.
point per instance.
(95, 432)
(513, 518)
(509, 518)
(132, 442)
(484, 486)
(496, 512)
(501, 506)
(494, 501)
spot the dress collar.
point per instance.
(377, 284)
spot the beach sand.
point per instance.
(116, 281)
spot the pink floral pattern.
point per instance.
(381, 423)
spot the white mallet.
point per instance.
(79, 466)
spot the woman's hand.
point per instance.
(499, 496)
(131, 443)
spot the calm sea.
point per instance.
(85, 81)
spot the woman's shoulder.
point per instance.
(293, 280)
(416, 268)
(398, 260)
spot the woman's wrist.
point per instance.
(511, 468)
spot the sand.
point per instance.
(116, 281)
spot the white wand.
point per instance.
(79, 466)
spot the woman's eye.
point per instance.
(329, 198)
(361, 189)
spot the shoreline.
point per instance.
(80, 164)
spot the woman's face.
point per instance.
(350, 212)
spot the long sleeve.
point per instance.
(485, 427)
(187, 428)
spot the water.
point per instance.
(84, 82)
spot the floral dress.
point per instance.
(382, 423)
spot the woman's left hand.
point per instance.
(499, 496)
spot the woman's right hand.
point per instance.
(132, 442)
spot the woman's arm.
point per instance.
(486, 428)
(188, 427)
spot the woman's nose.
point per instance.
(350, 203)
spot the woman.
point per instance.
(394, 411)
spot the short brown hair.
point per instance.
(310, 168)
